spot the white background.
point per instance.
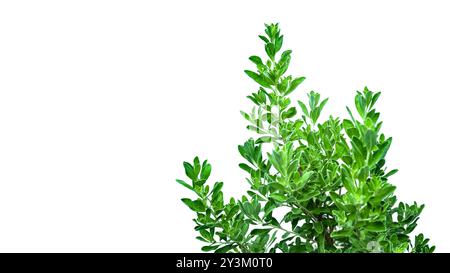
(102, 101)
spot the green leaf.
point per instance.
(189, 169)
(351, 114)
(278, 43)
(257, 78)
(304, 109)
(315, 113)
(264, 38)
(233, 212)
(382, 194)
(289, 113)
(181, 182)
(318, 227)
(390, 173)
(370, 139)
(217, 200)
(380, 153)
(313, 99)
(349, 184)
(206, 171)
(246, 167)
(276, 186)
(340, 216)
(256, 60)
(245, 115)
(209, 248)
(360, 106)
(260, 231)
(322, 104)
(376, 227)
(277, 161)
(337, 201)
(270, 50)
(347, 124)
(308, 195)
(225, 249)
(201, 239)
(347, 160)
(217, 187)
(248, 210)
(363, 174)
(341, 233)
(304, 178)
(196, 205)
(294, 84)
(285, 54)
(284, 63)
(197, 166)
(264, 139)
(278, 197)
(374, 99)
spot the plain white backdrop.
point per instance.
(102, 101)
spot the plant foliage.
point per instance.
(330, 177)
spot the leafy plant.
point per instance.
(329, 177)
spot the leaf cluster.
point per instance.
(330, 177)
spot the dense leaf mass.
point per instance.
(330, 177)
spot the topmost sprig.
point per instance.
(270, 73)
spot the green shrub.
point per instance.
(329, 177)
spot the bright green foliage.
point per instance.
(330, 177)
